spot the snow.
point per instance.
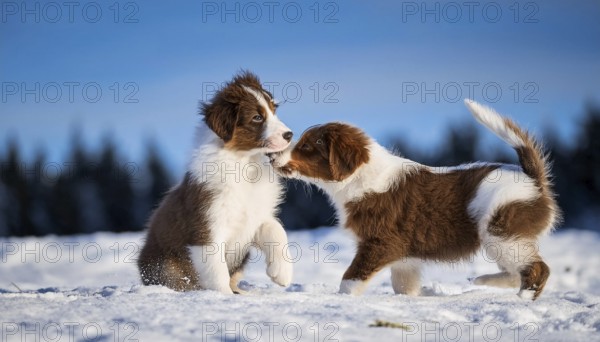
(87, 288)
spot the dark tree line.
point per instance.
(100, 190)
(91, 191)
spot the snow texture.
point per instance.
(86, 288)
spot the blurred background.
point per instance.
(100, 99)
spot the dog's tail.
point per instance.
(531, 156)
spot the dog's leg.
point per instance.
(236, 273)
(370, 258)
(521, 265)
(211, 266)
(501, 279)
(406, 277)
(272, 240)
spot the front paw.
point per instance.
(353, 287)
(280, 272)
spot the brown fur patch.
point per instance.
(531, 157)
(248, 134)
(423, 216)
(330, 152)
(522, 219)
(180, 221)
(534, 277)
(534, 164)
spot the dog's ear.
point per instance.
(221, 113)
(347, 150)
(220, 116)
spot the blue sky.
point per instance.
(395, 68)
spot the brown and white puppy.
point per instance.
(404, 213)
(199, 237)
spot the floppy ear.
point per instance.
(347, 150)
(221, 113)
(220, 117)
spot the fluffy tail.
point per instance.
(531, 157)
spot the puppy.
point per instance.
(199, 237)
(403, 213)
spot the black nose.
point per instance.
(288, 135)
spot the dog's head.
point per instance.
(329, 152)
(243, 114)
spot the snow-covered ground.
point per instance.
(87, 288)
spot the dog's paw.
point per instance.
(353, 287)
(528, 294)
(239, 291)
(280, 272)
(477, 280)
(235, 288)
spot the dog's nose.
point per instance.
(288, 136)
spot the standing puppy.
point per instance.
(404, 213)
(199, 237)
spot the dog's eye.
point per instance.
(319, 141)
(257, 118)
(305, 147)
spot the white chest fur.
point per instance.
(242, 200)
(245, 191)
